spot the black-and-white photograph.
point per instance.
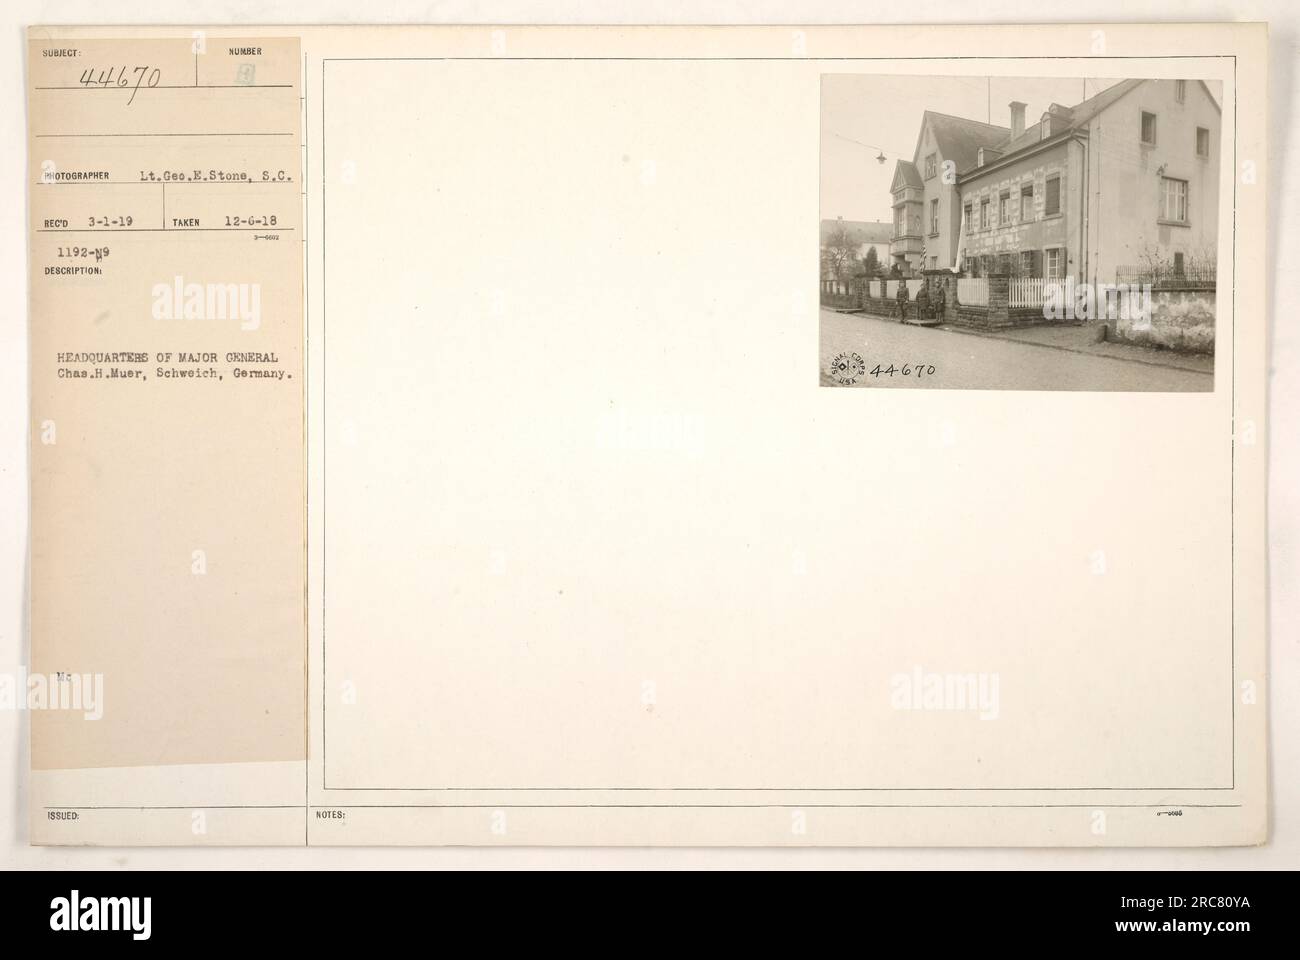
(1016, 233)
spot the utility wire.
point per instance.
(863, 143)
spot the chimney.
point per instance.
(1017, 118)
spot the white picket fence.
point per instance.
(973, 291)
(1030, 291)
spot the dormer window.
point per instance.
(979, 157)
(1047, 128)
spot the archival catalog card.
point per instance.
(698, 436)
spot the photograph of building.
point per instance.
(1082, 203)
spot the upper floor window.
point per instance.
(965, 216)
(1202, 142)
(1052, 200)
(1026, 202)
(1148, 128)
(934, 216)
(984, 214)
(931, 165)
(1173, 200)
(898, 221)
(1004, 207)
(1180, 91)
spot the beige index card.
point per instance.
(167, 434)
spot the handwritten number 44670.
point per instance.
(124, 77)
(919, 370)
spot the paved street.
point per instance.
(966, 361)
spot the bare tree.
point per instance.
(841, 249)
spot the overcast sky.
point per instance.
(885, 112)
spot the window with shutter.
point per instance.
(1052, 204)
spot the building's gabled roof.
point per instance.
(1100, 101)
(959, 139)
(1073, 117)
(1210, 95)
(864, 231)
(905, 175)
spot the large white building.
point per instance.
(1127, 179)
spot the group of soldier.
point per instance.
(927, 306)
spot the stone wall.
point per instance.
(1182, 318)
(840, 301)
(881, 306)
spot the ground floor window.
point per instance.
(1054, 263)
